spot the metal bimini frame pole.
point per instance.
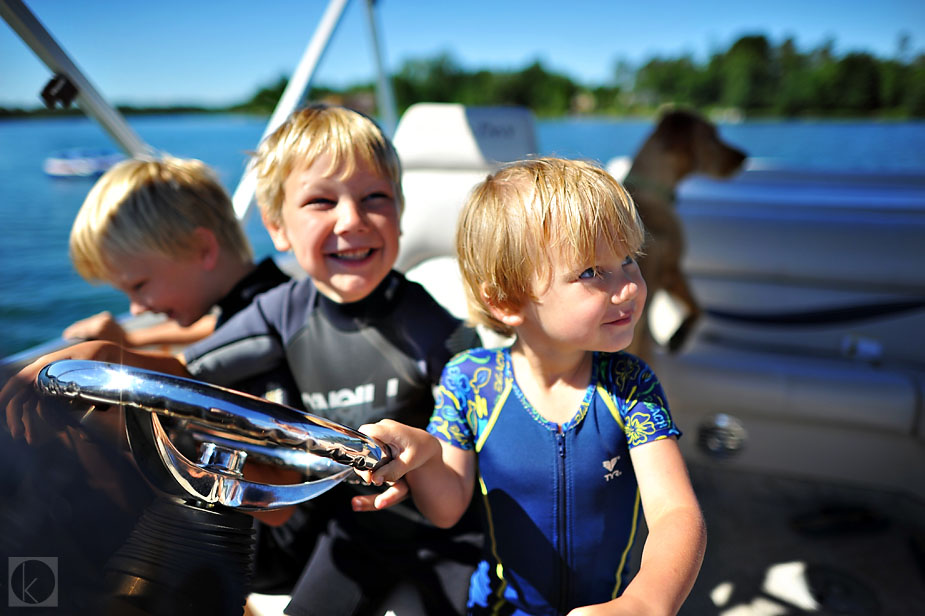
(299, 84)
(34, 34)
(384, 95)
(292, 97)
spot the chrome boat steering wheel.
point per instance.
(229, 426)
(191, 552)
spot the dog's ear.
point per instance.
(676, 128)
(676, 135)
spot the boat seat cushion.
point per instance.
(445, 150)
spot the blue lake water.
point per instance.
(40, 293)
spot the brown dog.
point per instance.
(683, 143)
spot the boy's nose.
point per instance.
(628, 289)
(136, 309)
(349, 216)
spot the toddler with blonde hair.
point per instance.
(567, 439)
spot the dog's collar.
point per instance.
(662, 190)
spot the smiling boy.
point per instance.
(362, 342)
(342, 225)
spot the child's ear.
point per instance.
(207, 247)
(277, 233)
(506, 312)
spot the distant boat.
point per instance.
(81, 162)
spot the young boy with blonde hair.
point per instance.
(362, 342)
(164, 232)
(565, 435)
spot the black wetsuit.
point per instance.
(275, 383)
(263, 277)
(357, 363)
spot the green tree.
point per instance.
(751, 75)
(748, 74)
(914, 99)
(607, 99)
(436, 80)
(857, 83)
(669, 80)
(795, 91)
(824, 78)
(264, 101)
(893, 78)
(534, 87)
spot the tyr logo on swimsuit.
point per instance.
(610, 465)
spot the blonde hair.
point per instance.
(528, 207)
(151, 205)
(315, 130)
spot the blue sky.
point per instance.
(191, 51)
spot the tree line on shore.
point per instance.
(752, 78)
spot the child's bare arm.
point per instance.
(674, 548)
(440, 476)
(103, 326)
(171, 333)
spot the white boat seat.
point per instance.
(446, 149)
